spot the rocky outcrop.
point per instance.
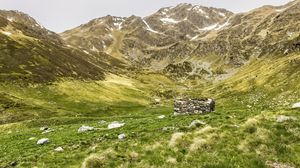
(193, 106)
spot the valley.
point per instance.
(130, 70)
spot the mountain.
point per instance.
(210, 41)
(31, 52)
(144, 40)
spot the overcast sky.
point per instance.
(60, 15)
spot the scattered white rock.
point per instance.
(47, 131)
(115, 124)
(59, 149)
(296, 105)
(43, 141)
(169, 128)
(196, 123)
(282, 118)
(102, 122)
(85, 129)
(32, 138)
(157, 101)
(44, 128)
(122, 136)
(162, 117)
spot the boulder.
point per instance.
(122, 136)
(44, 128)
(282, 118)
(102, 122)
(43, 141)
(47, 131)
(115, 124)
(169, 128)
(162, 117)
(31, 138)
(59, 149)
(296, 105)
(196, 123)
(85, 129)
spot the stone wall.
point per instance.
(193, 106)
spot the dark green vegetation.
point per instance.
(131, 69)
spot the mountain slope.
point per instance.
(212, 41)
(140, 40)
(30, 52)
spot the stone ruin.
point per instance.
(193, 106)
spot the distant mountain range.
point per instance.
(185, 41)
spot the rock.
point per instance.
(13, 164)
(85, 129)
(32, 138)
(47, 131)
(282, 118)
(44, 128)
(162, 117)
(122, 136)
(194, 106)
(157, 101)
(115, 124)
(43, 141)
(59, 149)
(196, 123)
(296, 105)
(169, 128)
(102, 122)
(278, 165)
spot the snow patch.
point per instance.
(222, 14)
(199, 9)
(194, 38)
(95, 49)
(7, 33)
(223, 25)
(149, 28)
(86, 52)
(169, 20)
(10, 19)
(211, 27)
(118, 25)
(280, 10)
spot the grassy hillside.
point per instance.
(250, 66)
(244, 131)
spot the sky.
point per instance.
(61, 15)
